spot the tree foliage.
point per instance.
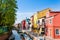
(7, 12)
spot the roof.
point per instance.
(54, 11)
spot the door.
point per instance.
(49, 32)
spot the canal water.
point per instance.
(16, 35)
(19, 36)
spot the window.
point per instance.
(38, 21)
(57, 31)
(43, 29)
(50, 21)
(43, 20)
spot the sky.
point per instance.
(26, 8)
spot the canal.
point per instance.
(19, 36)
(15, 36)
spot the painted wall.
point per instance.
(56, 24)
(23, 24)
(52, 23)
(35, 20)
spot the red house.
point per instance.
(24, 24)
(53, 24)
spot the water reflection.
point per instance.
(16, 35)
(20, 36)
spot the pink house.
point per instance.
(53, 24)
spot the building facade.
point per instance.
(53, 24)
(23, 24)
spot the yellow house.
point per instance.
(35, 20)
(42, 13)
(39, 15)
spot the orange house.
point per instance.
(53, 24)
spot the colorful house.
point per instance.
(42, 13)
(41, 16)
(53, 24)
(23, 25)
(35, 20)
(32, 20)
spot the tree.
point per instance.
(7, 12)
